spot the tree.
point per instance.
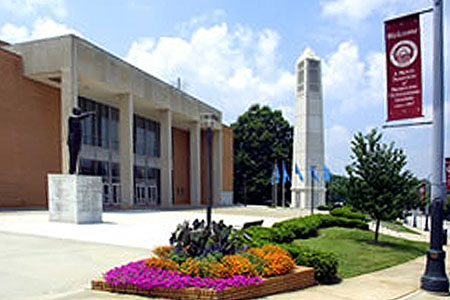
(378, 184)
(261, 137)
(336, 189)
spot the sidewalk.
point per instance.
(78, 252)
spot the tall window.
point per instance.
(146, 137)
(100, 133)
(102, 129)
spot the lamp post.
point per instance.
(434, 279)
(424, 192)
(209, 121)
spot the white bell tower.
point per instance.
(308, 133)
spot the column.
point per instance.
(195, 163)
(126, 150)
(69, 99)
(217, 166)
(166, 158)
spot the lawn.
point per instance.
(398, 227)
(357, 253)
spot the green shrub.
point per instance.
(269, 234)
(325, 263)
(302, 228)
(333, 221)
(308, 226)
(323, 207)
(346, 212)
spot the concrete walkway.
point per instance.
(54, 261)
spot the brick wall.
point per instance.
(29, 135)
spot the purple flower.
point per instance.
(138, 274)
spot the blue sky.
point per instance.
(232, 54)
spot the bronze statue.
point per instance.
(74, 136)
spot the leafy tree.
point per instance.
(261, 137)
(378, 184)
(336, 189)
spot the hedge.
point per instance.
(325, 263)
(308, 226)
(346, 212)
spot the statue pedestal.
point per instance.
(75, 198)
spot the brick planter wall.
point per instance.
(300, 277)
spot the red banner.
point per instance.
(447, 173)
(404, 75)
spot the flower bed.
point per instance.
(208, 263)
(297, 278)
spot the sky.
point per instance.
(232, 54)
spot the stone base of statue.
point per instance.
(75, 198)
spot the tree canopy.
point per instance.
(378, 183)
(261, 137)
(336, 189)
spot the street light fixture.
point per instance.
(209, 121)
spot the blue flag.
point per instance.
(275, 175)
(297, 171)
(314, 174)
(326, 173)
(286, 177)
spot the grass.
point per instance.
(397, 227)
(357, 252)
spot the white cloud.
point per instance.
(232, 68)
(354, 9)
(35, 7)
(195, 22)
(12, 33)
(353, 82)
(41, 28)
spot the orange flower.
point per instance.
(239, 265)
(162, 263)
(257, 252)
(163, 251)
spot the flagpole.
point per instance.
(312, 190)
(282, 187)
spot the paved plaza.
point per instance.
(55, 261)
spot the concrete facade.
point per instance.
(308, 149)
(71, 67)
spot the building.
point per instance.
(146, 140)
(308, 149)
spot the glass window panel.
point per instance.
(87, 167)
(150, 139)
(158, 141)
(115, 170)
(103, 169)
(140, 136)
(104, 128)
(98, 124)
(114, 128)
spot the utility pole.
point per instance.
(435, 279)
